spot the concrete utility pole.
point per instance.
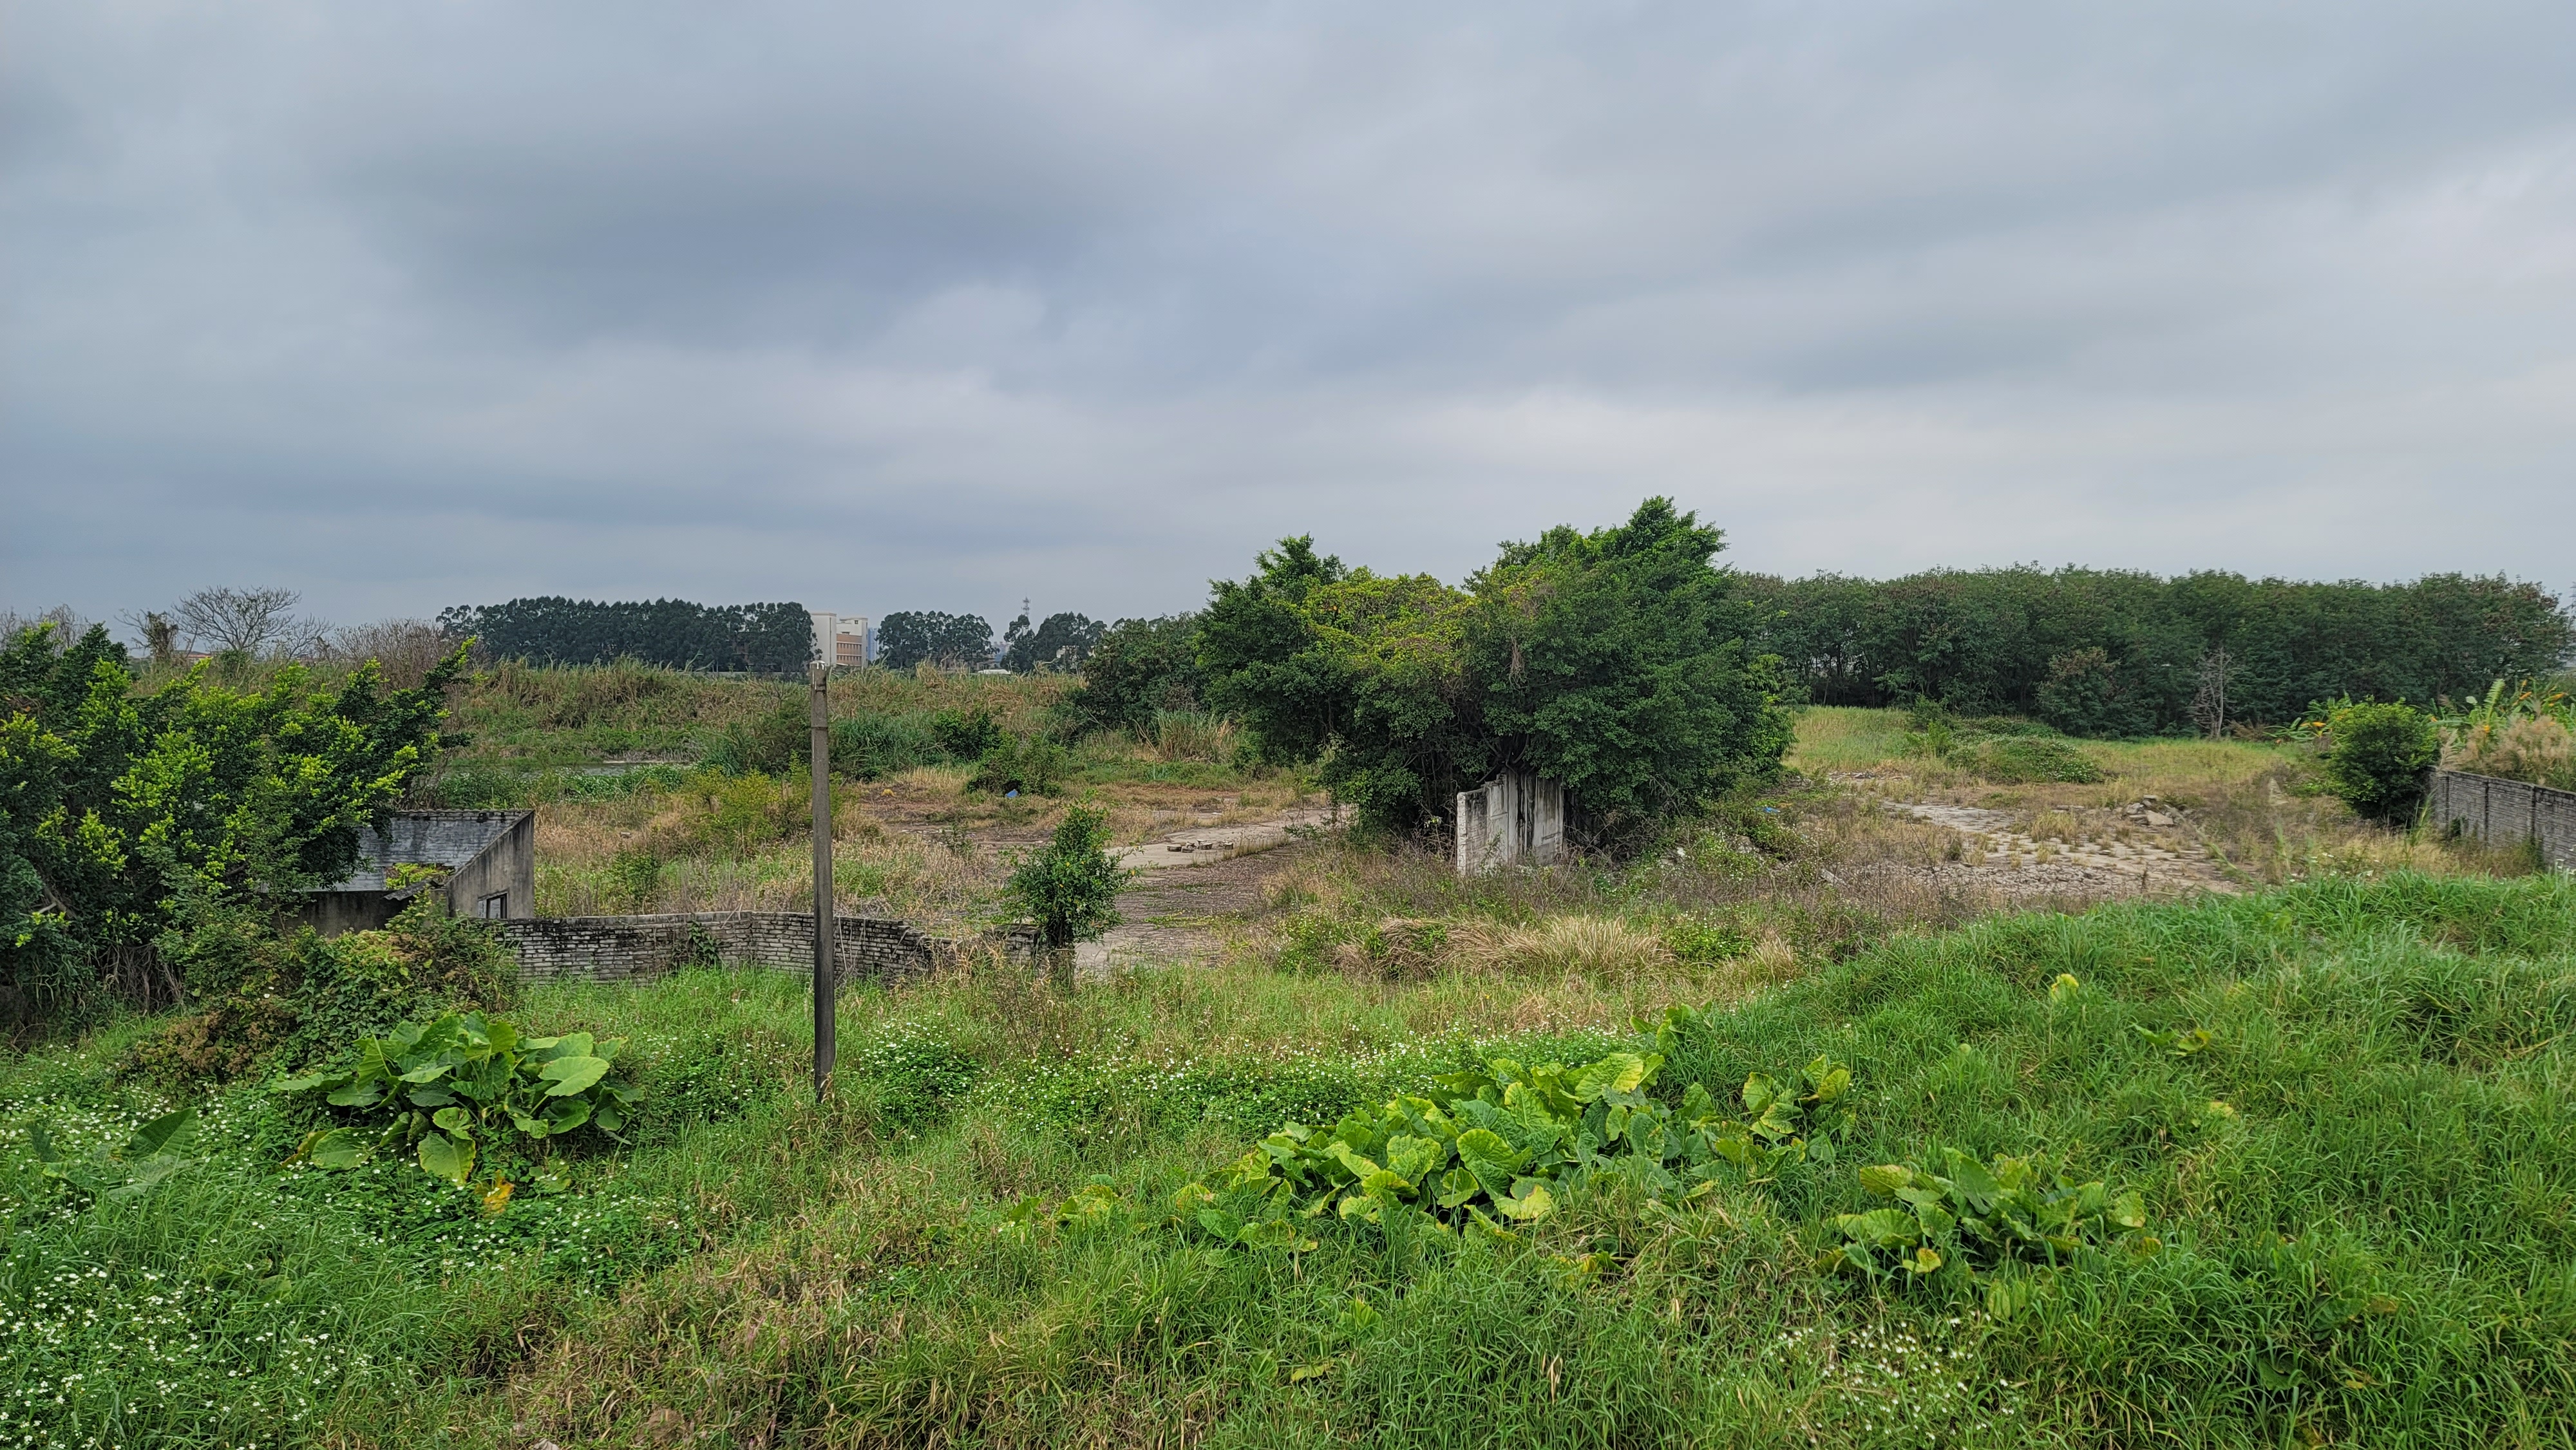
(826, 930)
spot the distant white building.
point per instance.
(840, 639)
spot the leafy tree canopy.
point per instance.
(1060, 642)
(1613, 661)
(673, 633)
(2107, 652)
(909, 637)
(121, 813)
(1139, 667)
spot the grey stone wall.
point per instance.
(2506, 812)
(640, 948)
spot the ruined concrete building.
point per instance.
(1515, 819)
(483, 862)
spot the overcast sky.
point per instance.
(937, 306)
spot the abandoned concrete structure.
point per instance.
(490, 858)
(1515, 819)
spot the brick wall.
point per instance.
(640, 948)
(2505, 812)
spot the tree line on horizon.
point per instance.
(2111, 653)
(2092, 652)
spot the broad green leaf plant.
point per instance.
(441, 1088)
(1978, 1217)
(1503, 1144)
(129, 1171)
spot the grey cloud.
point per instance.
(936, 306)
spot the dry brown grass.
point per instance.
(2536, 748)
(2255, 808)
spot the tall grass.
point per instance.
(2362, 1187)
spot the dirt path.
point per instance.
(2002, 855)
(1175, 913)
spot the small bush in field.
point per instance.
(2380, 757)
(967, 735)
(1029, 764)
(2027, 759)
(1070, 889)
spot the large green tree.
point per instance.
(1613, 661)
(1616, 663)
(121, 814)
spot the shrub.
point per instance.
(772, 744)
(870, 746)
(2379, 757)
(1070, 889)
(267, 998)
(966, 735)
(2024, 759)
(1139, 668)
(1029, 764)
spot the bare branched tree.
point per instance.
(405, 649)
(2209, 702)
(68, 625)
(254, 621)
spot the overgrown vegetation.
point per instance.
(139, 832)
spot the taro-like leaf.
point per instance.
(1885, 1179)
(357, 1095)
(333, 1148)
(1386, 1185)
(565, 1114)
(2129, 1210)
(447, 1158)
(456, 1121)
(428, 1095)
(145, 1178)
(1886, 1227)
(1271, 1233)
(572, 1074)
(308, 1082)
(2064, 988)
(1481, 1226)
(1410, 1157)
(1457, 1186)
(1352, 1163)
(1828, 1079)
(154, 1138)
(609, 1115)
(1490, 1159)
(1759, 1093)
(1975, 1186)
(1620, 1072)
(1529, 1200)
(429, 1072)
(533, 1127)
(1923, 1260)
(498, 1198)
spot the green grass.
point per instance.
(2373, 1242)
